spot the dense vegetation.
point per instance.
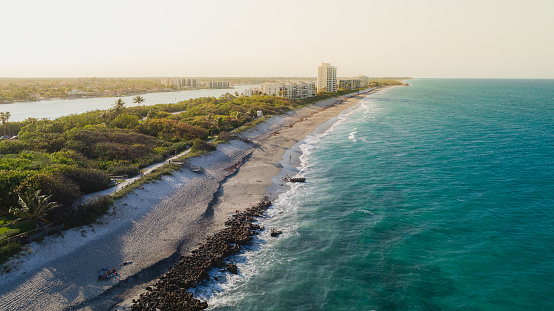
(77, 154)
(34, 89)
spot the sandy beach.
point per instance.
(156, 224)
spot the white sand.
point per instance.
(152, 224)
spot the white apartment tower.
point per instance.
(326, 78)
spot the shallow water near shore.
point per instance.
(438, 196)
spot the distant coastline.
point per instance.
(170, 204)
(69, 97)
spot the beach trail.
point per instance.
(154, 225)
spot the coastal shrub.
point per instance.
(86, 213)
(125, 121)
(171, 130)
(13, 146)
(48, 142)
(88, 180)
(124, 169)
(8, 233)
(119, 151)
(223, 137)
(149, 160)
(200, 145)
(181, 145)
(8, 250)
(165, 151)
(70, 157)
(63, 190)
(9, 181)
(78, 146)
(90, 136)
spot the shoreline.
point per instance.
(160, 222)
(260, 176)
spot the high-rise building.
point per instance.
(181, 83)
(217, 84)
(326, 78)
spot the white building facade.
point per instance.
(251, 91)
(326, 78)
(293, 90)
(364, 80)
(217, 84)
(181, 83)
(350, 83)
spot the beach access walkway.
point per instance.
(156, 223)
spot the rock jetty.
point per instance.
(170, 291)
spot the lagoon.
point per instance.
(56, 108)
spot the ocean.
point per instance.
(436, 196)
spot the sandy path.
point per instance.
(155, 225)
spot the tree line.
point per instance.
(74, 155)
(77, 154)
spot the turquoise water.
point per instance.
(438, 196)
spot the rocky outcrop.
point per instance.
(170, 291)
(275, 232)
(294, 179)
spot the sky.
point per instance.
(267, 38)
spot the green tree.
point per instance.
(138, 100)
(219, 124)
(32, 206)
(237, 117)
(252, 113)
(119, 106)
(7, 115)
(3, 119)
(125, 121)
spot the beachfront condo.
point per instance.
(326, 78)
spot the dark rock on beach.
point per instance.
(232, 268)
(170, 291)
(294, 179)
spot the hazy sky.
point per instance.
(417, 38)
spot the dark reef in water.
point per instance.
(170, 292)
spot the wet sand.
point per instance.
(155, 225)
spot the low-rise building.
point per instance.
(251, 91)
(350, 83)
(293, 90)
(354, 83)
(364, 80)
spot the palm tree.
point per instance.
(252, 112)
(219, 124)
(138, 100)
(32, 206)
(118, 106)
(3, 119)
(7, 115)
(237, 118)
